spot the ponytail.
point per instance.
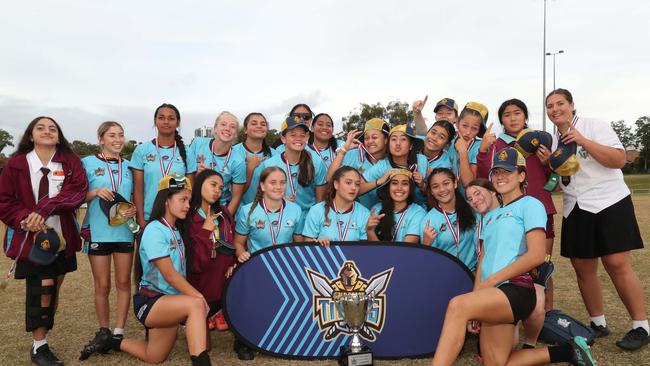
(181, 146)
(305, 169)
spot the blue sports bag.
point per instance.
(560, 328)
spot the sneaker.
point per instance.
(581, 353)
(634, 339)
(101, 343)
(44, 356)
(221, 321)
(243, 352)
(599, 330)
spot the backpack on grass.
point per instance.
(560, 328)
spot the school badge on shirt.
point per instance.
(259, 224)
(151, 157)
(99, 172)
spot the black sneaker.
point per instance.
(581, 353)
(599, 330)
(101, 343)
(634, 339)
(243, 352)
(44, 356)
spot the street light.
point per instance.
(553, 54)
(544, 74)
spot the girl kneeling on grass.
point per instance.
(165, 299)
(512, 244)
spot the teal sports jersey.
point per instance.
(381, 167)
(410, 224)
(504, 232)
(305, 196)
(351, 224)
(455, 160)
(148, 158)
(230, 165)
(243, 151)
(259, 227)
(354, 159)
(157, 242)
(467, 244)
(97, 172)
(325, 155)
(441, 161)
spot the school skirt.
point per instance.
(612, 230)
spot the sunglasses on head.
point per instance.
(303, 116)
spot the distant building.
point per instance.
(203, 132)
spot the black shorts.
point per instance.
(60, 266)
(612, 230)
(108, 248)
(522, 300)
(142, 305)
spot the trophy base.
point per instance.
(361, 358)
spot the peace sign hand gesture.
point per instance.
(429, 234)
(351, 141)
(373, 220)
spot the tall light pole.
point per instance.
(554, 54)
(544, 74)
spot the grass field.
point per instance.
(76, 322)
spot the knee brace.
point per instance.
(36, 315)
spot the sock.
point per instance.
(561, 353)
(641, 324)
(38, 344)
(118, 331)
(527, 346)
(203, 359)
(116, 342)
(599, 320)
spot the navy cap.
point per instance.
(46, 246)
(563, 161)
(528, 141)
(447, 103)
(114, 209)
(292, 122)
(508, 159)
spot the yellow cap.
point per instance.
(174, 180)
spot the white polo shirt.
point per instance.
(594, 187)
(55, 179)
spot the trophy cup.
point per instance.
(353, 306)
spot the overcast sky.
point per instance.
(84, 62)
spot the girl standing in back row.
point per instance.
(157, 158)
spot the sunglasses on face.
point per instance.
(303, 116)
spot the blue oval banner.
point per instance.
(280, 301)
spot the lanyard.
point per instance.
(455, 234)
(289, 175)
(573, 125)
(342, 233)
(478, 232)
(362, 153)
(313, 147)
(274, 234)
(213, 165)
(436, 157)
(114, 187)
(175, 242)
(163, 170)
(399, 222)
